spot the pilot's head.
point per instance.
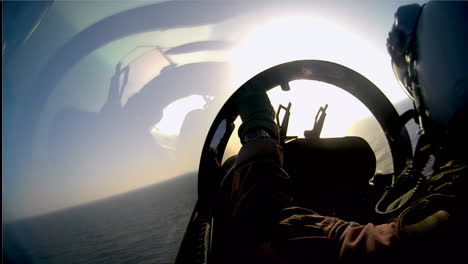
(429, 49)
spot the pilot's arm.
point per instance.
(263, 214)
(260, 200)
(426, 229)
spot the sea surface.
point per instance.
(142, 226)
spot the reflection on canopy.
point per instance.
(168, 128)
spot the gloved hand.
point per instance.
(256, 113)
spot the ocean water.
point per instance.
(142, 226)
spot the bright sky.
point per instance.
(352, 34)
(297, 37)
(291, 38)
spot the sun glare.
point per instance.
(308, 96)
(292, 38)
(286, 39)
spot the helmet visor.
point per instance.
(401, 73)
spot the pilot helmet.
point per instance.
(429, 49)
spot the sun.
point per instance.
(290, 38)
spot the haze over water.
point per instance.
(143, 226)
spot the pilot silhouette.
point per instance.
(422, 215)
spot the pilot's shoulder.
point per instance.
(452, 178)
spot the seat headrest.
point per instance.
(349, 160)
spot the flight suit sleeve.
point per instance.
(257, 183)
(259, 194)
(253, 192)
(304, 234)
(427, 230)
